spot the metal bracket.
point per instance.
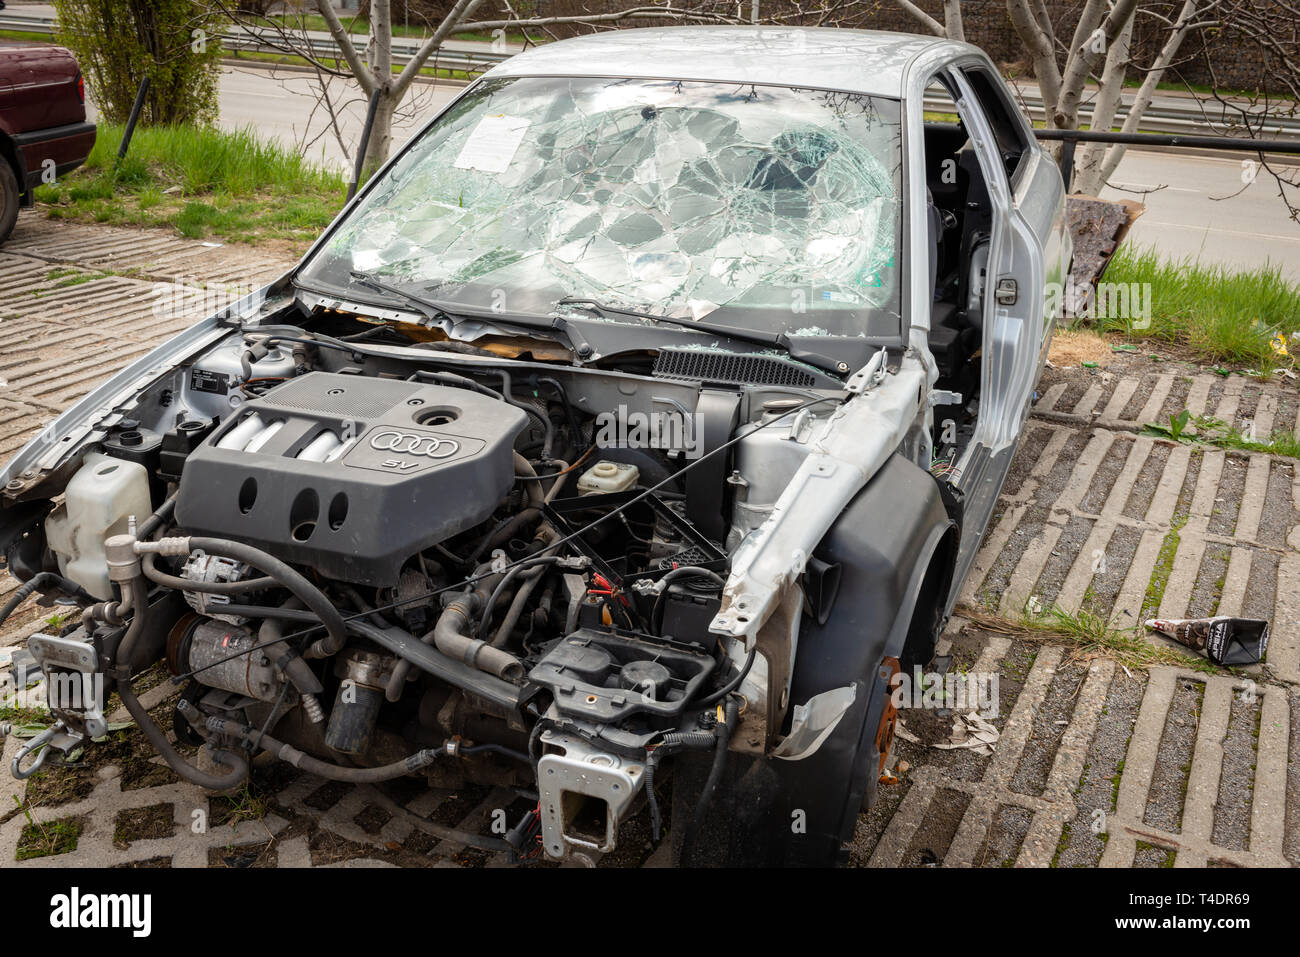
(57, 736)
(584, 794)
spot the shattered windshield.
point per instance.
(767, 207)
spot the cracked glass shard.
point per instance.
(778, 207)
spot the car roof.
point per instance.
(857, 61)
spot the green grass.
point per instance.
(1091, 636)
(1207, 430)
(1217, 313)
(1164, 567)
(25, 35)
(201, 182)
(46, 840)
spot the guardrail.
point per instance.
(1163, 118)
(268, 41)
(1069, 139)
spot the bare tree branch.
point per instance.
(923, 18)
(412, 69)
(365, 78)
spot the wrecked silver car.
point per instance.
(619, 443)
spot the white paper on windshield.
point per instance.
(492, 144)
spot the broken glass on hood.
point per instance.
(777, 208)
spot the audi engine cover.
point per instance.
(351, 475)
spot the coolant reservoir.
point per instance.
(99, 500)
(607, 476)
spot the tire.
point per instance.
(8, 200)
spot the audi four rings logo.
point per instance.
(408, 443)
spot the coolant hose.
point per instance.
(449, 636)
(325, 769)
(40, 582)
(405, 645)
(234, 760)
(311, 596)
(148, 563)
(531, 578)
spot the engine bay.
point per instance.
(373, 567)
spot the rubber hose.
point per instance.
(730, 686)
(723, 732)
(450, 638)
(502, 636)
(148, 564)
(307, 593)
(235, 761)
(333, 772)
(40, 582)
(671, 742)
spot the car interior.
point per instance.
(960, 218)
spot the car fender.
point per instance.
(892, 535)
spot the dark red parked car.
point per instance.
(43, 128)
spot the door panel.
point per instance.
(1013, 333)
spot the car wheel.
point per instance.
(8, 200)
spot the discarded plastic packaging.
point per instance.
(1225, 641)
(970, 731)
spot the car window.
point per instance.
(769, 207)
(1003, 118)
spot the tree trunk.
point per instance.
(381, 133)
(952, 22)
(1147, 91)
(1088, 179)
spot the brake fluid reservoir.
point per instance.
(607, 476)
(98, 503)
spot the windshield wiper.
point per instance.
(431, 310)
(437, 312)
(780, 339)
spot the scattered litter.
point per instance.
(971, 732)
(900, 731)
(903, 766)
(1088, 365)
(1225, 641)
(1126, 347)
(888, 777)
